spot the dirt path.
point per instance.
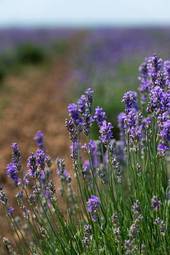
(38, 103)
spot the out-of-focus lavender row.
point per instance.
(13, 37)
(103, 48)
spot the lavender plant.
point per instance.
(119, 201)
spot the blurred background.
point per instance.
(51, 50)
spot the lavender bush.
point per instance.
(117, 200)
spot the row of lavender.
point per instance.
(120, 203)
(103, 48)
(13, 37)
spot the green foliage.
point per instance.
(30, 54)
(60, 47)
(12, 61)
(2, 72)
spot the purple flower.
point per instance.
(75, 150)
(16, 155)
(166, 72)
(75, 114)
(39, 139)
(82, 103)
(73, 132)
(85, 108)
(165, 132)
(87, 122)
(143, 71)
(136, 133)
(154, 66)
(12, 172)
(159, 100)
(93, 204)
(131, 119)
(106, 133)
(32, 165)
(89, 93)
(162, 118)
(85, 101)
(10, 211)
(146, 122)
(80, 114)
(49, 192)
(41, 158)
(42, 176)
(155, 203)
(86, 169)
(130, 100)
(133, 125)
(99, 115)
(162, 149)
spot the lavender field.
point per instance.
(90, 176)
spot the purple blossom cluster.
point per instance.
(93, 205)
(155, 97)
(16, 155)
(106, 133)
(82, 118)
(39, 139)
(37, 163)
(12, 172)
(130, 100)
(131, 126)
(155, 203)
(99, 115)
(80, 115)
(14, 167)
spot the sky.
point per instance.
(84, 12)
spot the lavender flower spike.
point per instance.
(130, 100)
(93, 205)
(39, 139)
(12, 172)
(99, 115)
(75, 114)
(106, 133)
(155, 203)
(16, 155)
